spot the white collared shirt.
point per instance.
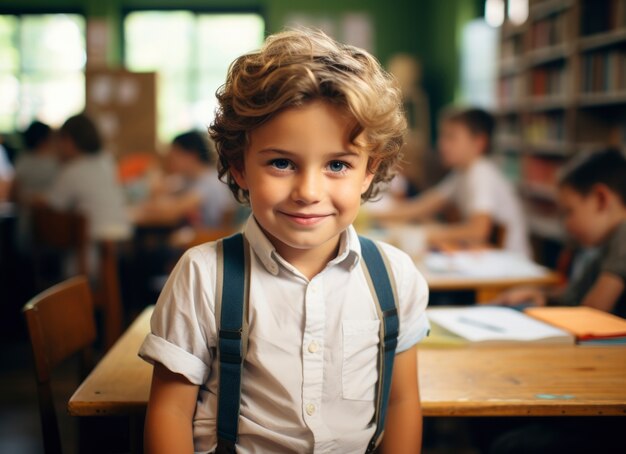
(311, 367)
(482, 188)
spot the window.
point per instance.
(191, 53)
(42, 61)
(479, 52)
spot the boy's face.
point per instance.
(458, 145)
(180, 161)
(582, 215)
(305, 178)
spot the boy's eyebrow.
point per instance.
(337, 154)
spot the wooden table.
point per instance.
(520, 380)
(486, 289)
(407, 238)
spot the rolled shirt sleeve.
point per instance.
(183, 329)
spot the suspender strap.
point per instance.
(377, 273)
(231, 307)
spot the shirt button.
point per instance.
(310, 409)
(313, 347)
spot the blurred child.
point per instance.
(36, 168)
(87, 182)
(202, 200)
(306, 129)
(37, 165)
(592, 197)
(476, 187)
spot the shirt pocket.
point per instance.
(360, 358)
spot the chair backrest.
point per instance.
(60, 232)
(60, 323)
(67, 232)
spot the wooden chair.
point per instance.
(60, 323)
(66, 233)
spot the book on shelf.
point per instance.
(490, 325)
(549, 80)
(604, 71)
(602, 16)
(550, 31)
(587, 324)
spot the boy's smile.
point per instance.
(305, 179)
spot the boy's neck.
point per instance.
(471, 161)
(310, 262)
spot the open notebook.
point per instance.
(492, 324)
(486, 263)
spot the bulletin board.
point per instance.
(123, 105)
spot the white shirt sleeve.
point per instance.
(62, 193)
(481, 189)
(448, 187)
(412, 291)
(183, 330)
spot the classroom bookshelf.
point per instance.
(561, 91)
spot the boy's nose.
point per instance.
(308, 187)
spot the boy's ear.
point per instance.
(372, 168)
(603, 195)
(482, 140)
(239, 174)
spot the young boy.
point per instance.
(592, 197)
(306, 129)
(481, 193)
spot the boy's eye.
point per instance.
(281, 164)
(337, 166)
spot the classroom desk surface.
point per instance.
(520, 380)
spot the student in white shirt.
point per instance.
(307, 129)
(88, 181)
(478, 189)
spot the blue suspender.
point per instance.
(233, 272)
(230, 345)
(389, 327)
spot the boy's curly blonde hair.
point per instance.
(294, 68)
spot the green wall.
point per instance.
(428, 29)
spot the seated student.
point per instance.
(36, 168)
(202, 200)
(306, 129)
(37, 165)
(475, 186)
(87, 182)
(592, 196)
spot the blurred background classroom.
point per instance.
(130, 86)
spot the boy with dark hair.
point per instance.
(484, 197)
(592, 197)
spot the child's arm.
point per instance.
(169, 418)
(416, 209)
(403, 428)
(476, 229)
(605, 292)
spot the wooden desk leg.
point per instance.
(136, 432)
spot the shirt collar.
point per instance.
(349, 248)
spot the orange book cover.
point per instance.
(584, 322)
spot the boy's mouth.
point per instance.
(305, 218)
